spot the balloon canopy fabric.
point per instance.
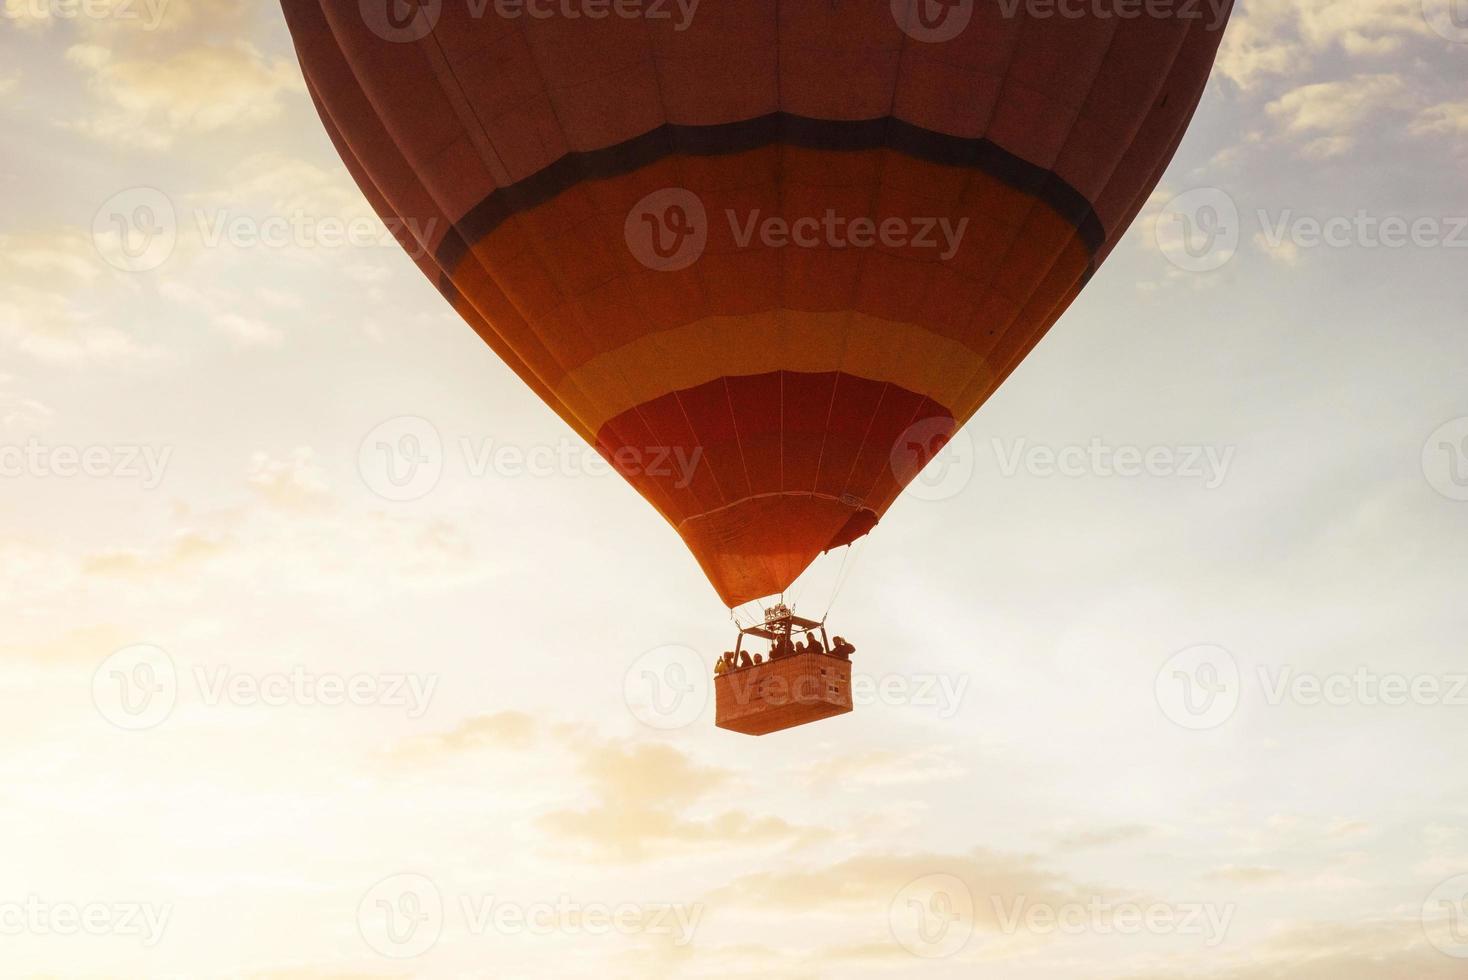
(793, 243)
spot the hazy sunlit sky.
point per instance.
(1090, 699)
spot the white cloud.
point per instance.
(1283, 38)
(149, 102)
(1443, 119)
(1326, 115)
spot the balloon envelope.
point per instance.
(765, 256)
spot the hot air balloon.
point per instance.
(797, 241)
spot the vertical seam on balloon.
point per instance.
(738, 439)
(680, 175)
(882, 158)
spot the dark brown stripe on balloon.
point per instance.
(776, 128)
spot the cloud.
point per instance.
(220, 309)
(1104, 837)
(648, 800)
(643, 794)
(1326, 115)
(504, 729)
(80, 644)
(1283, 38)
(183, 552)
(1444, 119)
(297, 483)
(1284, 251)
(882, 767)
(148, 103)
(60, 303)
(1246, 874)
(1363, 950)
(876, 880)
(20, 411)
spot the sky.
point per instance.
(1161, 667)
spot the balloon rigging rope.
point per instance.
(848, 562)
